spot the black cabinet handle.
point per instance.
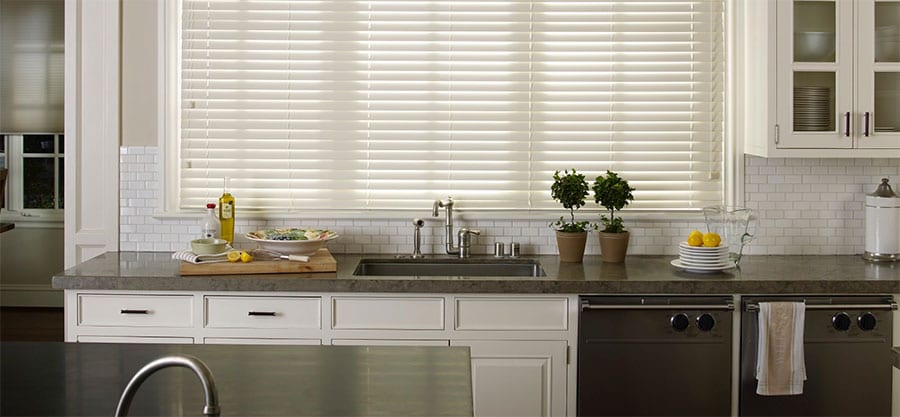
(866, 127)
(128, 311)
(261, 313)
(847, 124)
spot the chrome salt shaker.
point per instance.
(514, 249)
(499, 251)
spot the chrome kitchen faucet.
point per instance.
(211, 408)
(447, 205)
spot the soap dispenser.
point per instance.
(882, 224)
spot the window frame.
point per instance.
(168, 121)
(15, 155)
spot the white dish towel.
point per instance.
(780, 365)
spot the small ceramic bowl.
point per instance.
(208, 246)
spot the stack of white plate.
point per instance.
(812, 111)
(702, 259)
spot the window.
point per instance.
(36, 172)
(387, 105)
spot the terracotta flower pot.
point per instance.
(613, 246)
(571, 246)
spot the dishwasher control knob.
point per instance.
(841, 321)
(706, 322)
(866, 321)
(680, 322)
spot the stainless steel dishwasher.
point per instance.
(655, 356)
(847, 351)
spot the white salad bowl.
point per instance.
(292, 241)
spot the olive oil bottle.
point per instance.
(226, 214)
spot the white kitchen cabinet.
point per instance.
(389, 342)
(260, 341)
(236, 312)
(135, 339)
(518, 378)
(519, 342)
(820, 78)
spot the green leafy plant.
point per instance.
(570, 189)
(613, 193)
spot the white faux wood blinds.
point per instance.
(391, 104)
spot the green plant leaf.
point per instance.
(613, 193)
(570, 189)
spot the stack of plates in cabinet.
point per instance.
(702, 259)
(812, 109)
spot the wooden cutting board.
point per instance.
(321, 261)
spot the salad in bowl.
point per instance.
(293, 240)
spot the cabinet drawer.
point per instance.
(263, 312)
(135, 310)
(260, 341)
(512, 314)
(388, 313)
(135, 339)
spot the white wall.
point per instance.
(29, 257)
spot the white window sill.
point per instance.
(458, 214)
(30, 220)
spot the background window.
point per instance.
(386, 105)
(36, 169)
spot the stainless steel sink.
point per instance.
(450, 267)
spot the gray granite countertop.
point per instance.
(638, 275)
(86, 379)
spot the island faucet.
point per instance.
(448, 224)
(186, 361)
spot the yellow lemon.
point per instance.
(711, 240)
(234, 256)
(695, 240)
(245, 257)
(696, 233)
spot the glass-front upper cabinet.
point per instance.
(878, 73)
(837, 78)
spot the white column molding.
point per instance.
(92, 129)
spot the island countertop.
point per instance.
(844, 274)
(87, 379)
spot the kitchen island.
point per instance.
(56, 379)
(522, 331)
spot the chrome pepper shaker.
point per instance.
(499, 251)
(514, 249)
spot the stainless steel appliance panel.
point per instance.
(847, 348)
(654, 356)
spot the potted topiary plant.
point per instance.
(613, 193)
(570, 189)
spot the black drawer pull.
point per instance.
(127, 311)
(261, 313)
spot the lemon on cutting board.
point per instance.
(234, 256)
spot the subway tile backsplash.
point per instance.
(803, 206)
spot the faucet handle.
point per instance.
(474, 231)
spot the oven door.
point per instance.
(655, 356)
(847, 348)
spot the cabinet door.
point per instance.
(815, 74)
(518, 378)
(878, 73)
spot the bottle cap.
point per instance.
(210, 205)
